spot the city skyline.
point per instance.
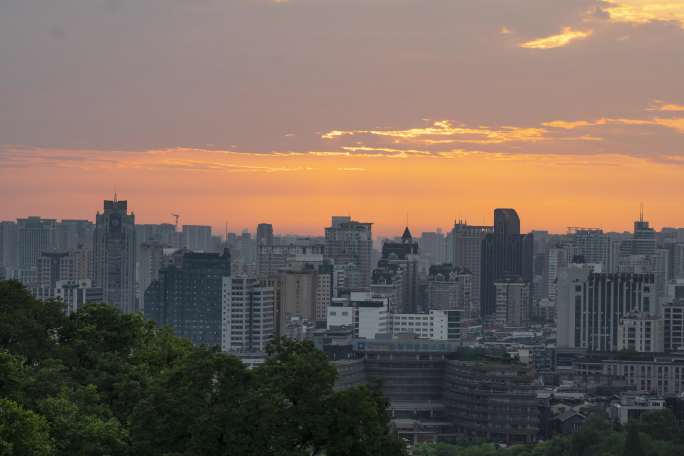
(294, 110)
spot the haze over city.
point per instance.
(571, 112)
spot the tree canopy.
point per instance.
(99, 382)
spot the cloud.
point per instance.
(659, 105)
(676, 124)
(567, 36)
(644, 11)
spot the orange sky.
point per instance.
(299, 192)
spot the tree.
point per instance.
(633, 442)
(22, 432)
(81, 425)
(28, 326)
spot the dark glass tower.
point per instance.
(506, 254)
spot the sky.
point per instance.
(290, 111)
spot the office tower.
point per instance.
(591, 305)
(196, 237)
(656, 264)
(467, 252)
(512, 303)
(34, 236)
(505, 254)
(641, 333)
(71, 234)
(433, 247)
(591, 245)
(348, 242)
(150, 262)
(188, 296)
(8, 245)
(557, 258)
(77, 293)
(674, 325)
(264, 234)
(115, 255)
(449, 288)
(643, 241)
(272, 258)
(297, 295)
(248, 315)
(399, 267)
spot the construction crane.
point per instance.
(177, 217)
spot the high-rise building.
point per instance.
(77, 293)
(591, 245)
(433, 247)
(557, 258)
(643, 240)
(72, 234)
(506, 254)
(197, 237)
(34, 236)
(467, 253)
(8, 245)
(642, 333)
(274, 257)
(591, 305)
(348, 242)
(150, 262)
(115, 255)
(188, 296)
(399, 267)
(674, 325)
(512, 303)
(264, 234)
(451, 288)
(248, 315)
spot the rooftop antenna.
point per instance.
(177, 217)
(641, 212)
(226, 231)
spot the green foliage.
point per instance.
(22, 432)
(102, 383)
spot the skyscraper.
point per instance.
(188, 296)
(197, 237)
(467, 253)
(248, 315)
(399, 267)
(592, 305)
(264, 234)
(348, 242)
(34, 236)
(506, 254)
(115, 255)
(8, 245)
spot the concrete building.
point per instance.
(72, 234)
(591, 305)
(348, 242)
(34, 236)
(467, 253)
(115, 255)
(151, 261)
(674, 325)
(436, 325)
(248, 315)
(451, 288)
(630, 407)
(366, 314)
(271, 258)
(264, 234)
(656, 374)
(592, 245)
(197, 238)
(512, 303)
(77, 293)
(641, 333)
(8, 245)
(433, 247)
(188, 296)
(492, 401)
(398, 266)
